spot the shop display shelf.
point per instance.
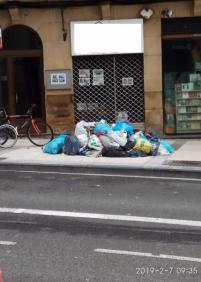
(188, 121)
(188, 113)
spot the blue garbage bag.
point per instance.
(102, 127)
(56, 145)
(167, 146)
(124, 125)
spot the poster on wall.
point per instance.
(58, 79)
(84, 77)
(98, 77)
(127, 81)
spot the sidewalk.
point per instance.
(187, 157)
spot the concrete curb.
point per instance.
(130, 168)
(30, 156)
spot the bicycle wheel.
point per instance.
(39, 133)
(8, 136)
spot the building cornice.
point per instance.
(4, 4)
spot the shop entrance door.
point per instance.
(181, 54)
(107, 85)
(20, 83)
(21, 71)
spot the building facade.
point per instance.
(159, 88)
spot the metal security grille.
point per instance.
(122, 91)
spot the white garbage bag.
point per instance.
(119, 137)
(83, 139)
(81, 133)
(80, 129)
(136, 135)
(94, 143)
(108, 142)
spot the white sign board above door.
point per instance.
(107, 37)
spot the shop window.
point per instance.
(182, 85)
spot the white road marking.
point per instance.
(129, 218)
(139, 254)
(7, 243)
(104, 175)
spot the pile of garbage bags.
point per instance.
(102, 139)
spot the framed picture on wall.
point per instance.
(58, 79)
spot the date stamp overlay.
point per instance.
(152, 270)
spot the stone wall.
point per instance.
(57, 53)
(153, 62)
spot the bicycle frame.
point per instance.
(33, 122)
(25, 116)
(34, 127)
(18, 117)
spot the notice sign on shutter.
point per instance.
(1, 43)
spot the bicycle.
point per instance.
(8, 136)
(38, 132)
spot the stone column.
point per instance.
(197, 8)
(153, 75)
(105, 11)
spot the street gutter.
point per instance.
(183, 172)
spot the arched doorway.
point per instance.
(21, 70)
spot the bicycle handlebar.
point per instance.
(31, 109)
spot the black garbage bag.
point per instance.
(135, 153)
(115, 152)
(129, 146)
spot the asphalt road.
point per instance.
(74, 254)
(131, 194)
(91, 245)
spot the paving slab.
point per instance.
(25, 153)
(35, 155)
(188, 152)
